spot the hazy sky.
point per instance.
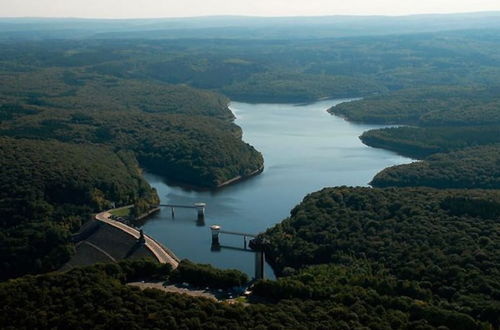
(179, 8)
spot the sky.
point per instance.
(187, 8)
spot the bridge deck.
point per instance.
(237, 233)
(179, 206)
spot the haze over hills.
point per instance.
(244, 26)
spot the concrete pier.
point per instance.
(255, 244)
(259, 265)
(215, 235)
(201, 210)
(259, 244)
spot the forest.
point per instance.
(472, 168)
(48, 189)
(201, 275)
(454, 130)
(437, 106)
(271, 70)
(420, 142)
(452, 156)
(79, 116)
(97, 297)
(183, 134)
(437, 246)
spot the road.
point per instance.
(159, 252)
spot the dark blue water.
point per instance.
(305, 149)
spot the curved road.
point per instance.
(159, 251)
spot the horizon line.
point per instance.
(248, 16)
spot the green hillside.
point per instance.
(468, 168)
(49, 189)
(184, 134)
(441, 244)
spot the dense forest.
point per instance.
(462, 121)
(48, 189)
(176, 131)
(79, 116)
(97, 297)
(271, 70)
(420, 142)
(437, 106)
(477, 167)
(71, 142)
(201, 275)
(440, 246)
(370, 293)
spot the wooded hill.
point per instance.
(70, 144)
(176, 131)
(398, 258)
(477, 167)
(420, 142)
(341, 298)
(298, 70)
(437, 106)
(438, 246)
(464, 122)
(48, 189)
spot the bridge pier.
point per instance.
(259, 244)
(259, 265)
(200, 207)
(256, 244)
(215, 235)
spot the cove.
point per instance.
(305, 149)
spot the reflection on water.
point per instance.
(305, 149)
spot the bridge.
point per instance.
(200, 207)
(259, 252)
(161, 253)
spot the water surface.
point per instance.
(305, 149)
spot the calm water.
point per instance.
(305, 149)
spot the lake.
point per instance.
(305, 149)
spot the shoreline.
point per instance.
(193, 187)
(147, 214)
(240, 178)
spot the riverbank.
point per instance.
(240, 178)
(305, 149)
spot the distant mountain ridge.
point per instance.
(243, 27)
